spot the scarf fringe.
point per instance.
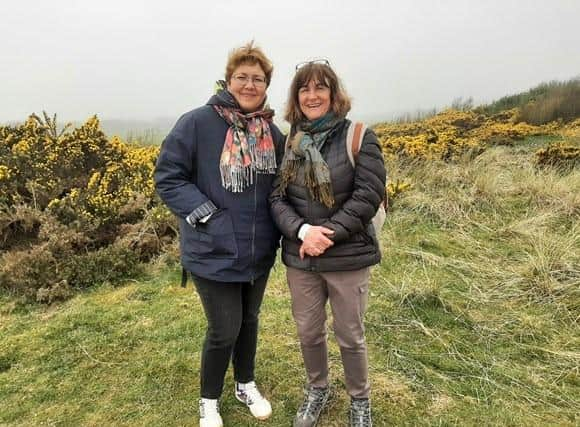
(288, 173)
(264, 161)
(235, 178)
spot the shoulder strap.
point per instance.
(354, 137)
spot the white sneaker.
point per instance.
(249, 394)
(209, 413)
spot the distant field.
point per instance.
(473, 319)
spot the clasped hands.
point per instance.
(316, 242)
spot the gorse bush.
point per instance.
(80, 172)
(440, 136)
(76, 208)
(563, 154)
(559, 154)
(452, 134)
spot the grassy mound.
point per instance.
(473, 318)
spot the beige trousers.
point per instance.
(347, 292)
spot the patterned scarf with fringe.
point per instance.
(308, 137)
(249, 147)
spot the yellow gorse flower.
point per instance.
(452, 133)
(4, 173)
(81, 171)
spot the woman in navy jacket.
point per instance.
(215, 172)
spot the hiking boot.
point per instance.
(360, 413)
(314, 401)
(249, 394)
(209, 413)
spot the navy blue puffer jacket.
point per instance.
(239, 241)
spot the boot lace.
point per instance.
(313, 403)
(360, 413)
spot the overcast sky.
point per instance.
(144, 59)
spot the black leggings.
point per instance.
(232, 311)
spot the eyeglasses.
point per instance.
(320, 61)
(243, 80)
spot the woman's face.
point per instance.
(314, 99)
(248, 86)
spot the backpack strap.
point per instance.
(354, 137)
(287, 141)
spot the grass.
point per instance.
(473, 320)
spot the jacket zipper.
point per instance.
(310, 259)
(254, 230)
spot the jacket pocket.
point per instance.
(215, 238)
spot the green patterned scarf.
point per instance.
(303, 151)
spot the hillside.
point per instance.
(549, 101)
(473, 318)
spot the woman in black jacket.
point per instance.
(324, 206)
(215, 172)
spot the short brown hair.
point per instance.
(250, 55)
(322, 73)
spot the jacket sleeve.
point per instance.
(368, 192)
(285, 216)
(175, 174)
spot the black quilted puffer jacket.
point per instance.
(357, 191)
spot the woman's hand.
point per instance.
(315, 242)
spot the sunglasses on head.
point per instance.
(314, 61)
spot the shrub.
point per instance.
(80, 172)
(395, 189)
(542, 104)
(561, 102)
(563, 155)
(452, 134)
(76, 208)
